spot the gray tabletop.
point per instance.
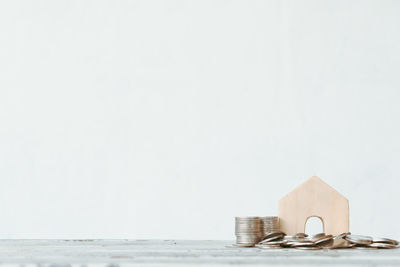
(177, 252)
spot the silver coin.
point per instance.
(270, 224)
(294, 238)
(343, 235)
(382, 245)
(308, 248)
(247, 243)
(273, 236)
(339, 243)
(323, 240)
(246, 239)
(249, 235)
(249, 222)
(269, 247)
(254, 233)
(279, 242)
(248, 225)
(300, 235)
(385, 241)
(359, 239)
(244, 224)
(243, 245)
(241, 240)
(248, 231)
(317, 236)
(363, 247)
(295, 244)
(251, 230)
(297, 237)
(344, 246)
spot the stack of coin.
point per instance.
(270, 224)
(248, 231)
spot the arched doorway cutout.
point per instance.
(314, 225)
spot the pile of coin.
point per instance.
(263, 232)
(278, 240)
(270, 224)
(248, 231)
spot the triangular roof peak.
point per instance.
(312, 182)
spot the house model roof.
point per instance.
(314, 198)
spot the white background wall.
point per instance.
(165, 119)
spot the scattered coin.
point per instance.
(340, 243)
(381, 245)
(343, 235)
(308, 248)
(324, 240)
(300, 235)
(271, 234)
(295, 244)
(359, 239)
(385, 241)
(363, 247)
(242, 245)
(273, 237)
(317, 236)
(294, 238)
(269, 246)
(280, 242)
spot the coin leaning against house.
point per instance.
(263, 232)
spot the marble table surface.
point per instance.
(112, 253)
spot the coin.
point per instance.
(280, 242)
(385, 241)
(264, 233)
(248, 231)
(382, 245)
(293, 238)
(269, 246)
(363, 247)
(247, 239)
(340, 242)
(300, 235)
(273, 237)
(317, 236)
(270, 224)
(308, 248)
(324, 240)
(343, 235)
(359, 239)
(242, 245)
(272, 234)
(295, 244)
(296, 237)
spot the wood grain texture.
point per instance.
(314, 198)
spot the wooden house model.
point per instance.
(314, 198)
